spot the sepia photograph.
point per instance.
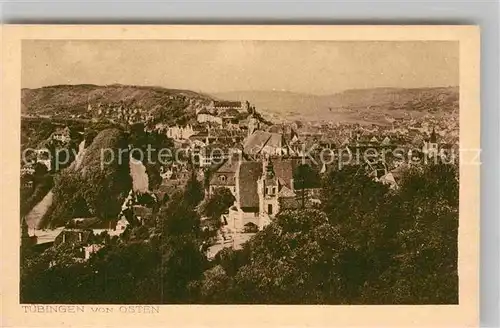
(240, 172)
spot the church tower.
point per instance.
(253, 123)
(431, 145)
(268, 188)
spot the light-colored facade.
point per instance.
(180, 133)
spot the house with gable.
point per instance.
(263, 188)
(62, 135)
(245, 212)
(263, 143)
(225, 175)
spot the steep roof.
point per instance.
(229, 169)
(230, 165)
(283, 169)
(286, 192)
(260, 139)
(389, 179)
(249, 173)
(433, 137)
(74, 236)
(386, 141)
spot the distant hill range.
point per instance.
(179, 106)
(66, 100)
(355, 104)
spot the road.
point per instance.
(236, 243)
(35, 215)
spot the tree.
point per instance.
(178, 217)
(305, 177)
(100, 184)
(193, 192)
(213, 284)
(89, 136)
(231, 260)
(349, 192)
(218, 204)
(181, 264)
(40, 170)
(293, 260)
(424, 266)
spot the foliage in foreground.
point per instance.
(366, 245)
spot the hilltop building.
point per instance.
(237, 105)
(204, 116)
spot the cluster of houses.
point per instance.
(260, 176)
(118, 112)
(261, 189)
(88, 235)
(256, 162)
(42, 155)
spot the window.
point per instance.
(222, 178)
(269, 209)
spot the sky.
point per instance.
(313, 67)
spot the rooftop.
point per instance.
(250, 172)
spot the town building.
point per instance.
(180, 133)
(430, 147)
(225, 175)
(267, 144)
(43, 156)
(237, 105)
(28, 169)
(262, 189)
(62, 135)
(273, 185)
(204, 116)
(213, 154)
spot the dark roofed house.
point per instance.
(376, 170)
(263, 142)
(225, 175)
(142, 213)
(249, 173)
(284, 168)
(74, 237)
(91, 223)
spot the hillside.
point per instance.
(97, 186)
(360, 104)
(112, 101)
